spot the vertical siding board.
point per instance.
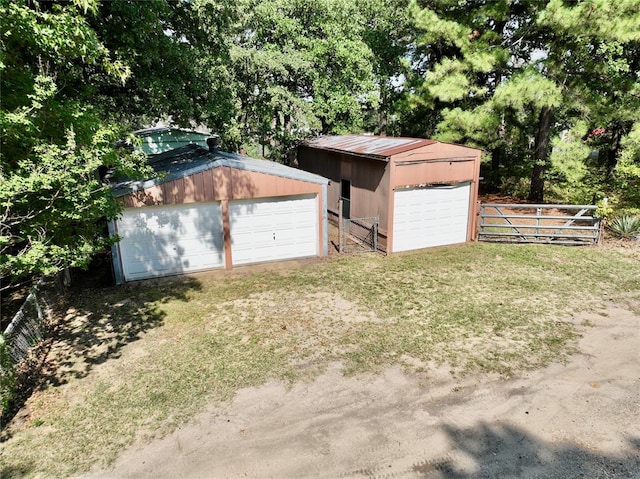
(473, 207)
(204, 184)
(179, 188)
(189, 192)
(166, 200)
(198, 190)
(226, 232)
(390, 204)
(219, 178)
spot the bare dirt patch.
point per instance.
(571, 420)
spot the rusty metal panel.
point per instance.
(434, 172)
(436, 151)
(368, 145)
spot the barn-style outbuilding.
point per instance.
(423, 191)
(210, 209)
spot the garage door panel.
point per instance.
(273, 229)
(435, 216)
(164, 240)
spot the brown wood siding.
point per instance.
(473, 201)
(323, 163)
(365, 177)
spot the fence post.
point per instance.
(340, 226)
(375, 234)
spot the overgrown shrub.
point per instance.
(7, 377)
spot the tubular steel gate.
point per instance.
(359, 235)
(551, 224)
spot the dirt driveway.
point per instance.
(580, 419)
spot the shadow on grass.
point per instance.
(507, 451)
(96, 323)
(91, 325)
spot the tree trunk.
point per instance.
(492, 185)
(541, 155)
(612, 151)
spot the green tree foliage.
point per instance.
(74, 75)
(7, 377)
(389, 32)
(177, 53)
(511, 76)
(52, 143)
(548, 88)
(303, 67)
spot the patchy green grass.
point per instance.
(136, 361)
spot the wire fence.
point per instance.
(359, 235)
(27, 326)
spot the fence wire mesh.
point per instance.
(27, 326)
(359, 235)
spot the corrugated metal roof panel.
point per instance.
(369, 145)
(167, 129)
(191, 159)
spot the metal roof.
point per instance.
(369, 145)
(167, 129)
(191, 159)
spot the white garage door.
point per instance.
(433, 216)
(166, 240)
(273, 229)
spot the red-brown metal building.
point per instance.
(211, 209)
(423, 191)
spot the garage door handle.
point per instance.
(274, 236)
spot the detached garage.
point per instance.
(423, 191)
(210, 209)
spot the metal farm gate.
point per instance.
(358, 235)
(550, 224)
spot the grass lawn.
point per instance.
(137, 361)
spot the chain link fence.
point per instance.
(359, 235)
(26, 329)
